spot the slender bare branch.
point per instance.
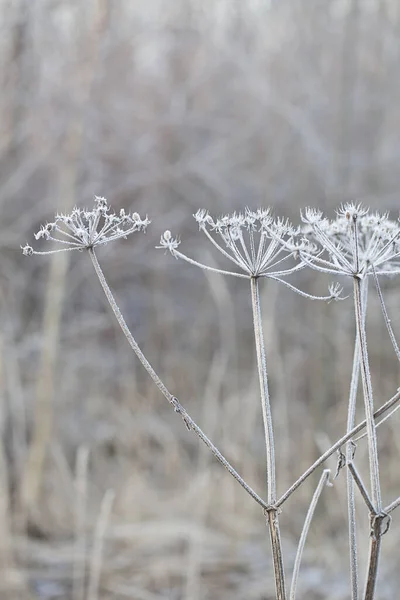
(385, 418)
(361, 487)
(384, 408)
(385, 315)
(163, 389)
(392, 506)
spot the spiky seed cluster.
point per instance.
(252, 240)
(256, 242)
(168, 242)
(354, 244)
(83, 229)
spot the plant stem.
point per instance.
(272, 513)
(374, 552)
(385, 314)
(375, 543)
(368, 397)
(190, 424)
(360, 484)
(392, 506)
(380, 411)
(351, 508)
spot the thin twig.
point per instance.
(191, 261)
(361, 487)
(384, 408)
(385, 418)
(385, 314)
(324, 479)
(190, 424)
(392, 506)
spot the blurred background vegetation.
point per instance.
(164, 107)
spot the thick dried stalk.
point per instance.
(374, 553)
(273, 520)
(310, 513)
(190, 424)
(375, 543)
(351, 507)
(368, 397)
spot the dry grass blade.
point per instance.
(324, 480)
(98, 545)
(81, 484)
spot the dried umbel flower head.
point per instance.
(251, 240)
(256, 242)
(355, 244)
(84, 229)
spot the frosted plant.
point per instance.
(85, 229)
(353, 244)
(260, 246)
(358, 244)
(256, 243)
(263, 247)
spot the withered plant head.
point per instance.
(356, 243)
(84, 229)
(257, 243)
(254, 241)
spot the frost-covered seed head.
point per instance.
(167, 242)
(351, 211)
(89, 228)
(335, 290)
(253, 240)
(353, 242)
(27, 250)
